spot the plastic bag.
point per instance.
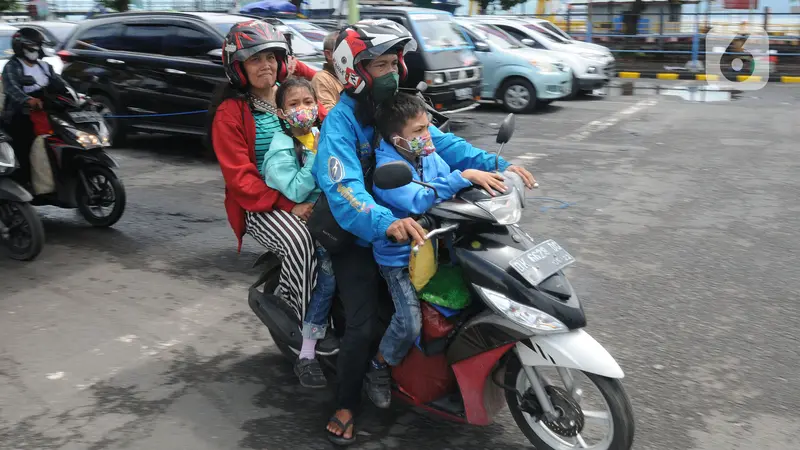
(447, 288)
(422, 265)
(41, 170)
(427, 378)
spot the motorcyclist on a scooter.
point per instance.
(17, 118)
(368, 60)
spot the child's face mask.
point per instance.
(418, 145)
(301, 117)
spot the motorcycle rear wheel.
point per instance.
(619, 407)
(24, 220)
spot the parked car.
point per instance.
(161, 63)
(520, 77)
(545, 26)
(591, 69)
(444, 58)
(313, 33)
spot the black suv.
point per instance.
(154, 63)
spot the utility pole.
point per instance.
(352, 11)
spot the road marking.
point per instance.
(599, 125)
(55, 376)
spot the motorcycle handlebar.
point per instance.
(424, 221)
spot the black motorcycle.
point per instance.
(82, 170)
(519, 342)
(21, 230)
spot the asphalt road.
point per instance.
(683, 217)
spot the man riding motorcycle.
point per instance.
(368, 60)
(20, 109)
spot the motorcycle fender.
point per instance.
(11, 190)
(574, 350)
(98, 157)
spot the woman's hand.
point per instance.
(316, 143)
(486, 180)
(303, 210)
(291, 64)
(527, 177)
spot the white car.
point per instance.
(592, 68)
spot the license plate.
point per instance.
(85, 116)
(463, 93)
(542, 261)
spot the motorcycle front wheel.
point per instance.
(605, 424)
(104, 202)
(23, 237)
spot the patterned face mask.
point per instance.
(301, 118)
(420, 145)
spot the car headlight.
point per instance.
(524, 315)
(8, 161)
(543, 66)
(506, 209)
(434, 78)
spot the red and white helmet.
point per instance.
(364, 41)
(247, 38)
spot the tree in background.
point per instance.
(8, 5)
(118, 5)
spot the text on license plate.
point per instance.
(85, 116)
(463, 93)
(542, 261)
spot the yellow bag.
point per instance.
(422, 265)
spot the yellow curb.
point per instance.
(705, 77)
(790, 79)
(748, 79)
(629, 74)
(667, 76)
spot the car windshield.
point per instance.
(300, 45)
(497, 37)
(310, 31)
(5, 44)
(62, 31)
(549, 26)
(438, 31)
(547, 33)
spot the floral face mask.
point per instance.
(420, 145)
(301, 118)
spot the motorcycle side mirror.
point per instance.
(28, 80)
(393, 175)
(503, 136)
(422, 86)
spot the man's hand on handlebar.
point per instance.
(35, 104)
(490, 181)
(527, 177)
(404, 229)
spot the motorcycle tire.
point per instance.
(612, 391)
(34, 223)
(83, 197)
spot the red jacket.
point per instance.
(233, 135)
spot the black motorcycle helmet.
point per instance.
(29, 38)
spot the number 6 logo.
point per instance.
(737, 57)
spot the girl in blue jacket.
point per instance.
(287, 168)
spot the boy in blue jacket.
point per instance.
(404, 125)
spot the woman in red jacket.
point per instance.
(255, 57)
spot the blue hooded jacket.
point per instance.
(412, 199)
(345, 145)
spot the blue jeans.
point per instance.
(406, 322)
(319, 305)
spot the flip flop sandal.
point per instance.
(341, 440)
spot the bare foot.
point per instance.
(344, 415)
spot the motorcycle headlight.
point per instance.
(524, 315)
(104, 135)
(8, 161)
(506, 209)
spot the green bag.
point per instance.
(447, 289)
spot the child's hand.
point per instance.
(486, 180)
(303, 210)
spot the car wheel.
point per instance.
(518, 95)
(108, 108)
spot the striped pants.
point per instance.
(285, 235)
